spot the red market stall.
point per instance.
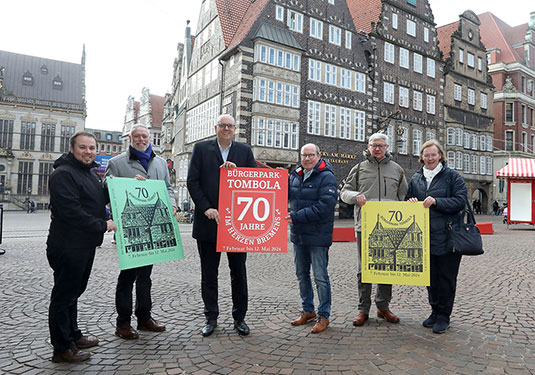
(520, 175)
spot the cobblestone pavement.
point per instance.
(492, 329)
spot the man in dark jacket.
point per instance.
(313, 193)
(78, 224)
(203, 185)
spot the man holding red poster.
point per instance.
(254, 203)
(208, 159)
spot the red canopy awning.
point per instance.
(518, 168)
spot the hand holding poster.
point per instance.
(252, 204)
(147, 232)
(395, 243)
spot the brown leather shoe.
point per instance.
(71, 356)
(321, 325)
(86, 342)
(387, 315)
(150, 325)
(126, 332)
(360, 319)
(304, 318)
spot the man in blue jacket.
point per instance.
(313, 193)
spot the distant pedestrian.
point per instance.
(78, 225)
(495, 208)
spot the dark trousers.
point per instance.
(443, 270)
(72, 268)
(209, 274)
(123, 295)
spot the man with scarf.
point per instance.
(139, 162)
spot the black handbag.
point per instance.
(464, 237)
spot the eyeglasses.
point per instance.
(226, 126)
(377, 146)
(307, 156)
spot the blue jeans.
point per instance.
(318, 257)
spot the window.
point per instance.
(483, 142)
(57, 83)
(274, 132)
(295, 21)
(66, 133)
(314, 109)
(24, 185)
(483, 101)
(270, 91)
(403, 141)
(466, 140)
(470, 58)
(27, 135)
(331, 2)
(314, 70)
(459, 160)
(279, 93)
(416, 141)
(418, 63)
(404, 97)
(474, 164)
(360, 125)
(461, 55)
(430, 67)
(316, 28)
(27, 79)
(345, 123)
(330, 74)
(524, 114)
(48, 133)
(411, 2)
(489, 165)
(471, 97)
(489, 143)
(509, 116)
(417, 100)
(348, 39)
(474, 142)
(430, 104)
(429, 135)
(479, 63)
(44, 69)
(466, 163)
(451, 159)
(330, 121)
(45, 169)
(388, 94)
(394, 21)
(279, 13)
(457, 92)
(524, 142)
(450, 139)
(459, 137)
(335, 35)
(389, 53)
(411, 28)
(390, 133)
(360, 82)
(345, 78)
(426, 34)
(404, 58)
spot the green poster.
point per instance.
(147, 232)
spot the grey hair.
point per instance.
(135, 126)
(316, 146)
(382, 136)
(220, 117)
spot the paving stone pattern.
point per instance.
(492, 329)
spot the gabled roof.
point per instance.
(250, 15)
(16, 65)
(157, 103)
(497, 34)
(277, 35)
(444, 37)
(231, 13)
(364, 12)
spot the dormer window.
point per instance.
(57, 83)
(27, 78)
(44, 69)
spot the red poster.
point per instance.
(253, 204)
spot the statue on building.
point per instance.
(508, 86)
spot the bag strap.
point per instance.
(471, 218)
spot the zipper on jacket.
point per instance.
(379, 178)
(385, 185)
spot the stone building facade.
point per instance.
(42, 104)
(468, 97)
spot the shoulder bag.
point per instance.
(464, 237)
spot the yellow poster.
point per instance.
(395, 243)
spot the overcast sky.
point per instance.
(131, 44)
